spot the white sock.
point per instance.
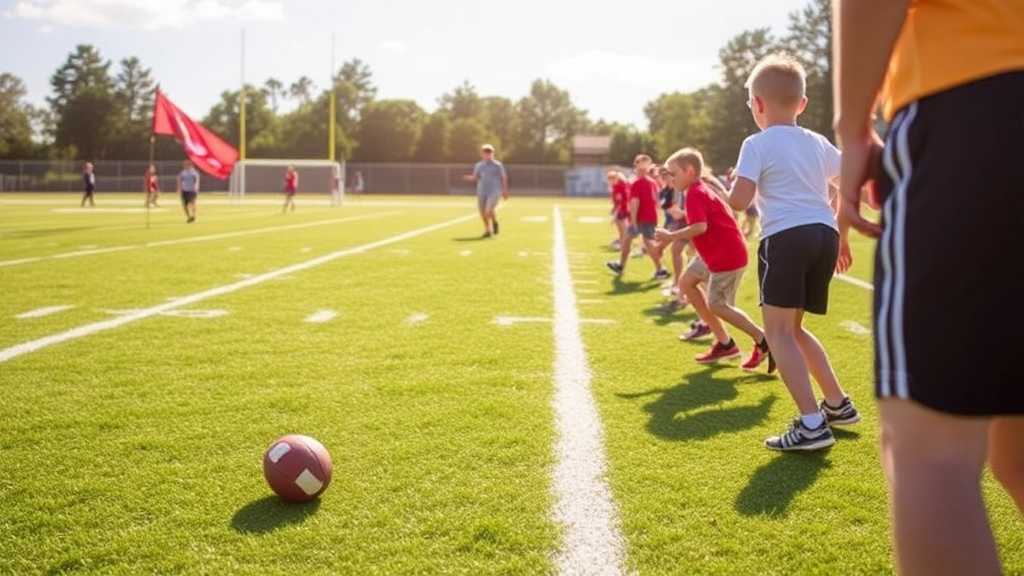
(812, 421)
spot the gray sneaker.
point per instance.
(841, 415)
(800, 437)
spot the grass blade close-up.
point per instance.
(491, 406)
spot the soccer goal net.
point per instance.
(267, 175)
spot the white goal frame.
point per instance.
(237, 189)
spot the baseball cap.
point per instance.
(487, 147)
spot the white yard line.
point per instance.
(40, 312)
(855, 281)
(90, 329)
(91, 252)
(321, 316)
(592, 541)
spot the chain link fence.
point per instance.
(378, 178)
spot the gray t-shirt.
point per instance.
(489, 174)
(189, 180)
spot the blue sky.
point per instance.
(610, 58)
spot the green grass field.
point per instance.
(145, 369)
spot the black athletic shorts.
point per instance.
(188, 197)
(949, 274)
(795, 267)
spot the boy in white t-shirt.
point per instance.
(790, 169)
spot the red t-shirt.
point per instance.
(620, 198)
(645, 189)
(289, 182)
(152, 183)
(721, 246)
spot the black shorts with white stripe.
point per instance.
(949, 275)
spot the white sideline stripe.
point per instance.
(193, 239)
(593, 541)
(855, 281)
(89, 329)
(40, 312)
(855, 327)
(321, 316)
(416, 319)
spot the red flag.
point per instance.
(206, 150)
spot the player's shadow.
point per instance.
(620, 286)
(476, 238)
(25, 234)
(662, 317)
(772, 487)
(694, 409)
(270, 513)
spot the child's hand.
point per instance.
(845, 259)
(661, 235)
(859, 166)
(676, 212)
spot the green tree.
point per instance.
(500, 118)
(626, 143)
(16, 118)
(389, 130)
(353, 85)
(133, 91)
(260, 122)
(547, 121)
(462, 102)
(467, 135)
(809, 38)
(302, 90)
(85, 108)
(275, 92)
(435, 138)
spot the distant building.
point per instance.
(590, 150)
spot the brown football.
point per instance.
(297, 467)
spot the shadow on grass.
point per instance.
(270, 513)
(692, 409)
(773, 486)
(471, 238)
(22, 234)
(663, 318)
(620, 286)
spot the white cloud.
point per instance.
(144, 14)
(46, 29)
(393, 46)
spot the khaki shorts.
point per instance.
(722, 286)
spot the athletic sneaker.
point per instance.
(697, 329)
(719, 351)
(614, 267)
(758, 356)
(671, 306)
(662, 274)
(486, 235)
(841, 415)
(800, 437)
(495, 227)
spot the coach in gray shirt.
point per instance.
(491, 186)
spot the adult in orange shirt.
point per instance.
(951, 78)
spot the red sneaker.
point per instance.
(718, 352)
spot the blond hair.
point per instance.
(778, 78)
(687, 157)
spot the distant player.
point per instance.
(355, 187)
(491, 186)
(188, 188)
(152, 186)
(89, 180)
(291, 184)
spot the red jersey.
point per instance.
(645, 189)
(721, 246)
(152, 183)
(620, 199)
(289, 181)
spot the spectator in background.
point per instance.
(152, 186)
(491, 186)
(188, 188)
(291, 184)
(89, 180)
(355, 186)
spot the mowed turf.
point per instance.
(135, 449)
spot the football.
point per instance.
(297, 468)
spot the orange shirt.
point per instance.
(948, 43)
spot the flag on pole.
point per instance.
(204, 148)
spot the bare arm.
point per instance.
(742, 193)
(864, 34)
(695, 229)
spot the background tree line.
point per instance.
(100, 111)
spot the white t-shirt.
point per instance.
(791, 167)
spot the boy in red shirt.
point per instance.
(643, 213)
(720, 262)
(291, 184)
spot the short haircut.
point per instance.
(778, 78)
(687, 157)
(641, 158)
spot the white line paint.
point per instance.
(40, 312)
(465, 253)
(176, 241)
(593, 541)
(416, 319)
(590, 301)
(855, 281)
(512, 320)
(855, 327)
(321, 316)
(592, 220)
(90, 329)
(234, 248)
(306, 249)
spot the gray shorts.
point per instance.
(488, 201)
(645, 230)
(722, 286)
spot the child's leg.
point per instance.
(689, 284)
(725, 285)
(780, 327)
(654, 251)
(819, 365)
(678, 262)
(1006, 455)
(933, 464)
